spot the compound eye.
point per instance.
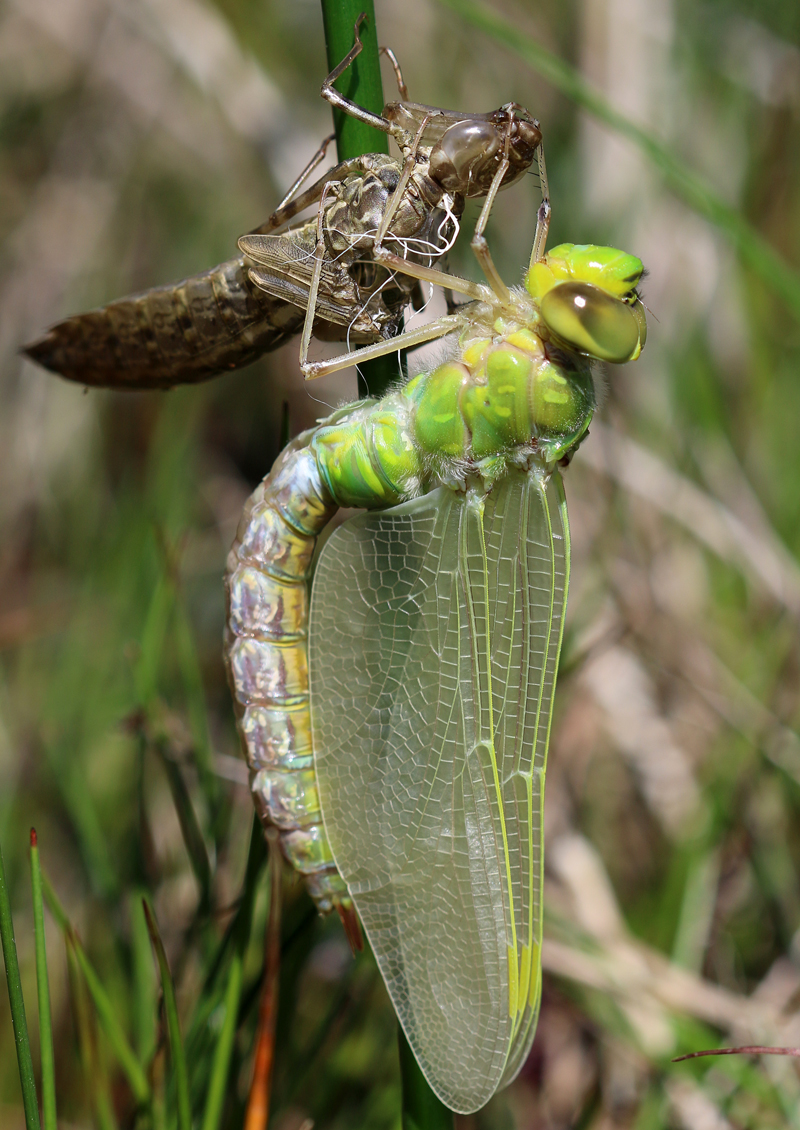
(591, 321)
(466, 156)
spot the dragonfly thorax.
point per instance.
(507, 395)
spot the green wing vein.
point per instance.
(434, 635)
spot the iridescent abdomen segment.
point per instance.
(342, 464)
(266, 651)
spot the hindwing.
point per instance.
(434, 635)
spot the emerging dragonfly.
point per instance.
(229, 316)
(397, 733)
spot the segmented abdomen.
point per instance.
(266, 653)
(170, 335)
(266, 631)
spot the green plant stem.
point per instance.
(17, 1003)
(95, 1075)
(243, 922)
(361, 83)
(222, 1052)
(144, 986)
(46, 1052)
(753, 249)
(106, 1012)
(422, 1110)
(176, 1047)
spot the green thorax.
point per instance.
(507, 399)
(517, 392)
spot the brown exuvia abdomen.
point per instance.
(179, 334)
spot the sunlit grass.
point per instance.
(117, 514)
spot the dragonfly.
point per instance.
(318, 275)
(397, 721)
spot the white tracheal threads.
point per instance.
(266, 650)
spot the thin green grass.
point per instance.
(46, 1052)
(176, 1048)
(422, 1110)
(87, 583)
(95, 1070)
(104, 1005)
(17, 1003)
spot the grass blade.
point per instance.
(173, 1024)
(154, 633)
(17, 1003)
(755, 251)
(222, 1053)
(144, 985)
(194, 690)
(43, 988)
(361, 82)
(747, 1049)
(241, 936)
(259, 1098)
(94, 1072)
(83, 814)
(187, 818)
(118, 1041)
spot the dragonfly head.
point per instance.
(467, 156)
(587, 298)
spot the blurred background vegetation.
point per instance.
(137, 142)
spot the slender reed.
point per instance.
(17, 1003)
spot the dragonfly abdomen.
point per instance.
(178, 334)
(266, 653)
(267, 621)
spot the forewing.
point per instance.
(283, 264)
(434, 633)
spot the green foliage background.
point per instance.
(136, 143)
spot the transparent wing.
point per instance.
(434, 637)
(283, 264)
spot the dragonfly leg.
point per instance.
(543, 215)
(478, 243)
(316, 275)
(316, 160)
(430, 274)
(398, 74)
(429, 332)
(292, 203)
(330, 94)
(340, 172)
(405, 176)
(450, 301)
